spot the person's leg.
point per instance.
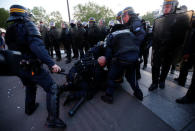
(164, 72)
(190, 95)
(115, 72)
(45, 81)
(155, 71)
(130, 75)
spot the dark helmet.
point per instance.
(84, 24)
(118, 16)
(18, 12)
(92, 19)
(171, 4)
(128, 10)
(79, 23)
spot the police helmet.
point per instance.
(92, 19)
(128, 10)
(118, 15)
(72, 22)
(2, 30)
(84, 23)
(79, 23)
(171, 4)
(52, 24)
(17, 12)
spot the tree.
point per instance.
(149, 16)
(56, 17)
(91, 9)
(39, 14)
(4, 14)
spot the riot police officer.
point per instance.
(92, 32)
(168, 37)
(74, 35)
(44, 35)
(22, 35)
(66, 41)
(80, 38)
(54, 40)
(102, 30)
(86, 42)
(189, 53)
(122, 52)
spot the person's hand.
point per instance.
(56, 68)
(186, 57)
(102, 61)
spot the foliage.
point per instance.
(4, 14)
(149, 16)
(91, 9)
(40, 14)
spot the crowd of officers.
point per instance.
(123, 46)
(77, 37)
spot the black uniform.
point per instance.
(74, 34)
(93, 32)
(86, 76)
(54, 40)
(190, 95)
(122, 52)
(80, 40)
(167, 39)
(22, 35)
(66, 41)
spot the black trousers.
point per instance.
(185, 66)
(160, 67)
(191, 91)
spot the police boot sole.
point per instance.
(55, 125)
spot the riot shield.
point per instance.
(172, 28)
(9, 62)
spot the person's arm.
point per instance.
(37, 47)
(139, 32)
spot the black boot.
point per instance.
(55, 123)
(162, 85)
(180, 82)
(58, 59)
(53, 120)
(31, 109)
(107, 99)
(30, 105)
(144, 67)
(185, 100)
(153, 86)
(68, 61)
(138, 94)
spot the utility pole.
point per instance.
(68, 10)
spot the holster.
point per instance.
(32, 65)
